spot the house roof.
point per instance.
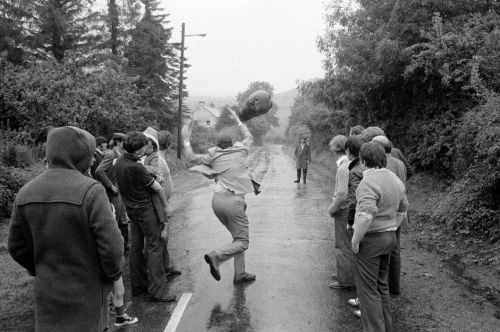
(208, 108)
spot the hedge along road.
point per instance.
(292, 253)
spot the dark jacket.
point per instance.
(302, 156)
(106, 172)
(395, 152)
(355, 176)
(63, 232)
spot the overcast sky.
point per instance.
(248, 40)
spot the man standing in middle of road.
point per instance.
(227, 165)
(302, 156)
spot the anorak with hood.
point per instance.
(63, 232)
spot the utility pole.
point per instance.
(181, 83)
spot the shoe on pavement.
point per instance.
(357, 313)
(296, 181)
(337, 285)
(211, 260)
(125, 320)
(246, 277)
(353, 302)
(167, 298)
(173, 272)
(334, 276)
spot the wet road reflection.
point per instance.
(235, 317)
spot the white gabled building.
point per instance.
(206, 115)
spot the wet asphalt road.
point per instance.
(291, 251)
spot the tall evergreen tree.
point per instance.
(149, 55)
(63, 25)
(51, 27)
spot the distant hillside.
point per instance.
(284, 101)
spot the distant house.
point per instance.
(206, 115)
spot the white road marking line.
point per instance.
(177, 315)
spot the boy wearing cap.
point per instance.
(157, 166)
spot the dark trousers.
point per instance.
(372, 265)
(344, 258)
(121, 218)
(395, 267)
(304, 171)
(147, 273)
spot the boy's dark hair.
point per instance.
(100, 140)
(134, 141)
(353, 144)
(164, 139)
(369, 133)
(373, 155)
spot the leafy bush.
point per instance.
(51, 94)
(202, 138)
(473, 204)
(18, 156)
(11, 180)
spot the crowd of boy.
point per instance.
(75, 279)
(368, 207)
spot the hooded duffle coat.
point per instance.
(63, 232)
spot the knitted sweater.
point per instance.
(382, 195)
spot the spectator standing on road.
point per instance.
(227, 165)
(338, 209)
(381, 207)
(164, 140)
(106, 174)
(158, 167)
(101, 147)
(63, 232)
(302, 156)
(397, 167)
(137, 187)
(356, 169)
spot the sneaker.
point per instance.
(125, 320)
(357, 313)
(353, 302)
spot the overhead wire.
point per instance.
(246, 19)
